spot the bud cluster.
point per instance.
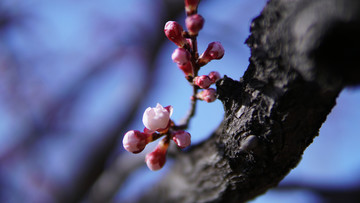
(157, 124)
(204, 82)
(186, 55)
(157, 120)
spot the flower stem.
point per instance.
(193, 101)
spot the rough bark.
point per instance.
(303, 53)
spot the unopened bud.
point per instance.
(135, 141)
(194, 24)
(208, 95)
(173, 32)
(157, 158)
(214, 51)
(191, 6)
(187, 69)
(202, 81)
(182, 138)
(214, 76)
(181, 56)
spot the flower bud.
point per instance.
(202, 81)
(173, 32)
(214, 76)
(208, 95)
(135, 141)
(214, 51)
(182, 138)
(194, 24)
(180, 56)
(157, 118)
(191, 6)
(157, 158)
(187, 69)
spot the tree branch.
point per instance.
(274, 112)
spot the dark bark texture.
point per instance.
(303, 53)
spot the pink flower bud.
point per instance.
(180, 56)
(208, 95)
(157, 118)
(191, 6)
(194, 24)
(214, 76)
(173, 32)
(135, 141)
(202, 81)
(156, 159)
(182, 138)
(187, 69)
(214, 51)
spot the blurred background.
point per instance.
(76, 75)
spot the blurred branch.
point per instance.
(98, 159)
(112, 178)
(39, 129)
(326, 193)
(274, 112)
(4, 21)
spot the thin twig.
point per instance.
(186, 121)
(193, 99)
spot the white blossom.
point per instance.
(157, 118)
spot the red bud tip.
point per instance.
(173, 32)
(214, 51)
(182, 138)
(191, 6)
(181, 56)
(208, 95)
(214, 76)
(203, 81)
(156, 159)
(194, 24)
(135, 141)
(187, 69)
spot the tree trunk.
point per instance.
(303, 53)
